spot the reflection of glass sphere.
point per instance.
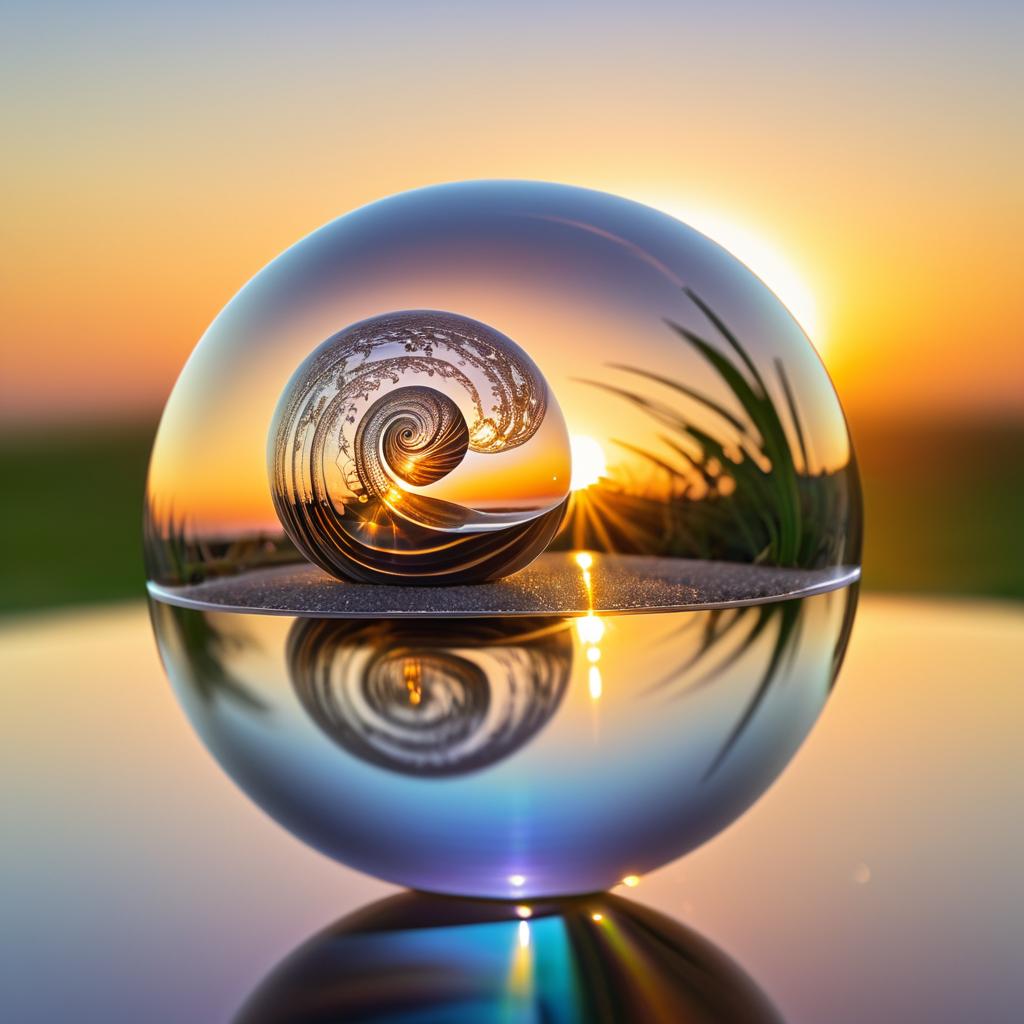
(500, 757)
(525, 403)
(421, 958)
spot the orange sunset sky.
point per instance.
(867, 163)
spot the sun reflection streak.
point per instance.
(413, 680)
(590, 628)
(520, 975)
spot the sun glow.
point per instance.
(762, 255)
(588, 462)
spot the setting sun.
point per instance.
(588, 462)
(761, 255)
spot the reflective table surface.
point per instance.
(877, 880)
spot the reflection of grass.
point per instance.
(207, 649)
(742, 488)
(782, 621)
(786, 616)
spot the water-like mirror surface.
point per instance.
(507, 757)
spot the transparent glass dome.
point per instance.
(449, 439)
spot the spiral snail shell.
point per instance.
(370, 448)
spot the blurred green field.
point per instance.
(944, 512)
(944, 508)
(71, 519)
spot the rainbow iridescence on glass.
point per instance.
(596, 958)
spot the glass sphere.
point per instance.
(410, 481)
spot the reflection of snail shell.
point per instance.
(361, 423)
(430, 698)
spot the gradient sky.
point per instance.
(156, 159)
